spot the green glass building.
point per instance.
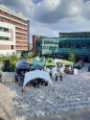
(66, 43)
(77, 42)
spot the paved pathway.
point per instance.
(69, 95)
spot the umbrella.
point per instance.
(50, 63)
(36, 74)
(22, 64)
(37, 64)
(65, 62)
(57, 60)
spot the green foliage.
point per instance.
(72, 57)
(33, 55)
(13, 59)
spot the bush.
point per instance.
(72, 57)
(13, 59)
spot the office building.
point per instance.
(77, 43)
(14, 31)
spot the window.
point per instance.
(1, 29)
(4, 29)
(4, 38)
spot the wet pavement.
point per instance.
(65, 100)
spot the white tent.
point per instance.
(35, 74)
(57, 60)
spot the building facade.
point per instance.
(77, 42)
(7, 38)
(14, 31)
(45, 45)
(74, 42)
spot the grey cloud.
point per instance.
(66, 8)
(67, 15)
(16, 5)
(72, 24)
(10, 2)
(41, 12)
(86, 10)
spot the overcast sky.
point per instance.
(49, 17)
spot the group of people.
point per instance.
(56, 73)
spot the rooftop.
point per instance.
(12, 12)
(74, 32)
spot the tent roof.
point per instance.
(35, 74)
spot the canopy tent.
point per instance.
(50, 63)
(36, 66)
(37, 63)
(56, 60)
(36, 74)
(65, 62)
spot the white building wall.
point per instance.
(10, 34)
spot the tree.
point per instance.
(72, 57)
